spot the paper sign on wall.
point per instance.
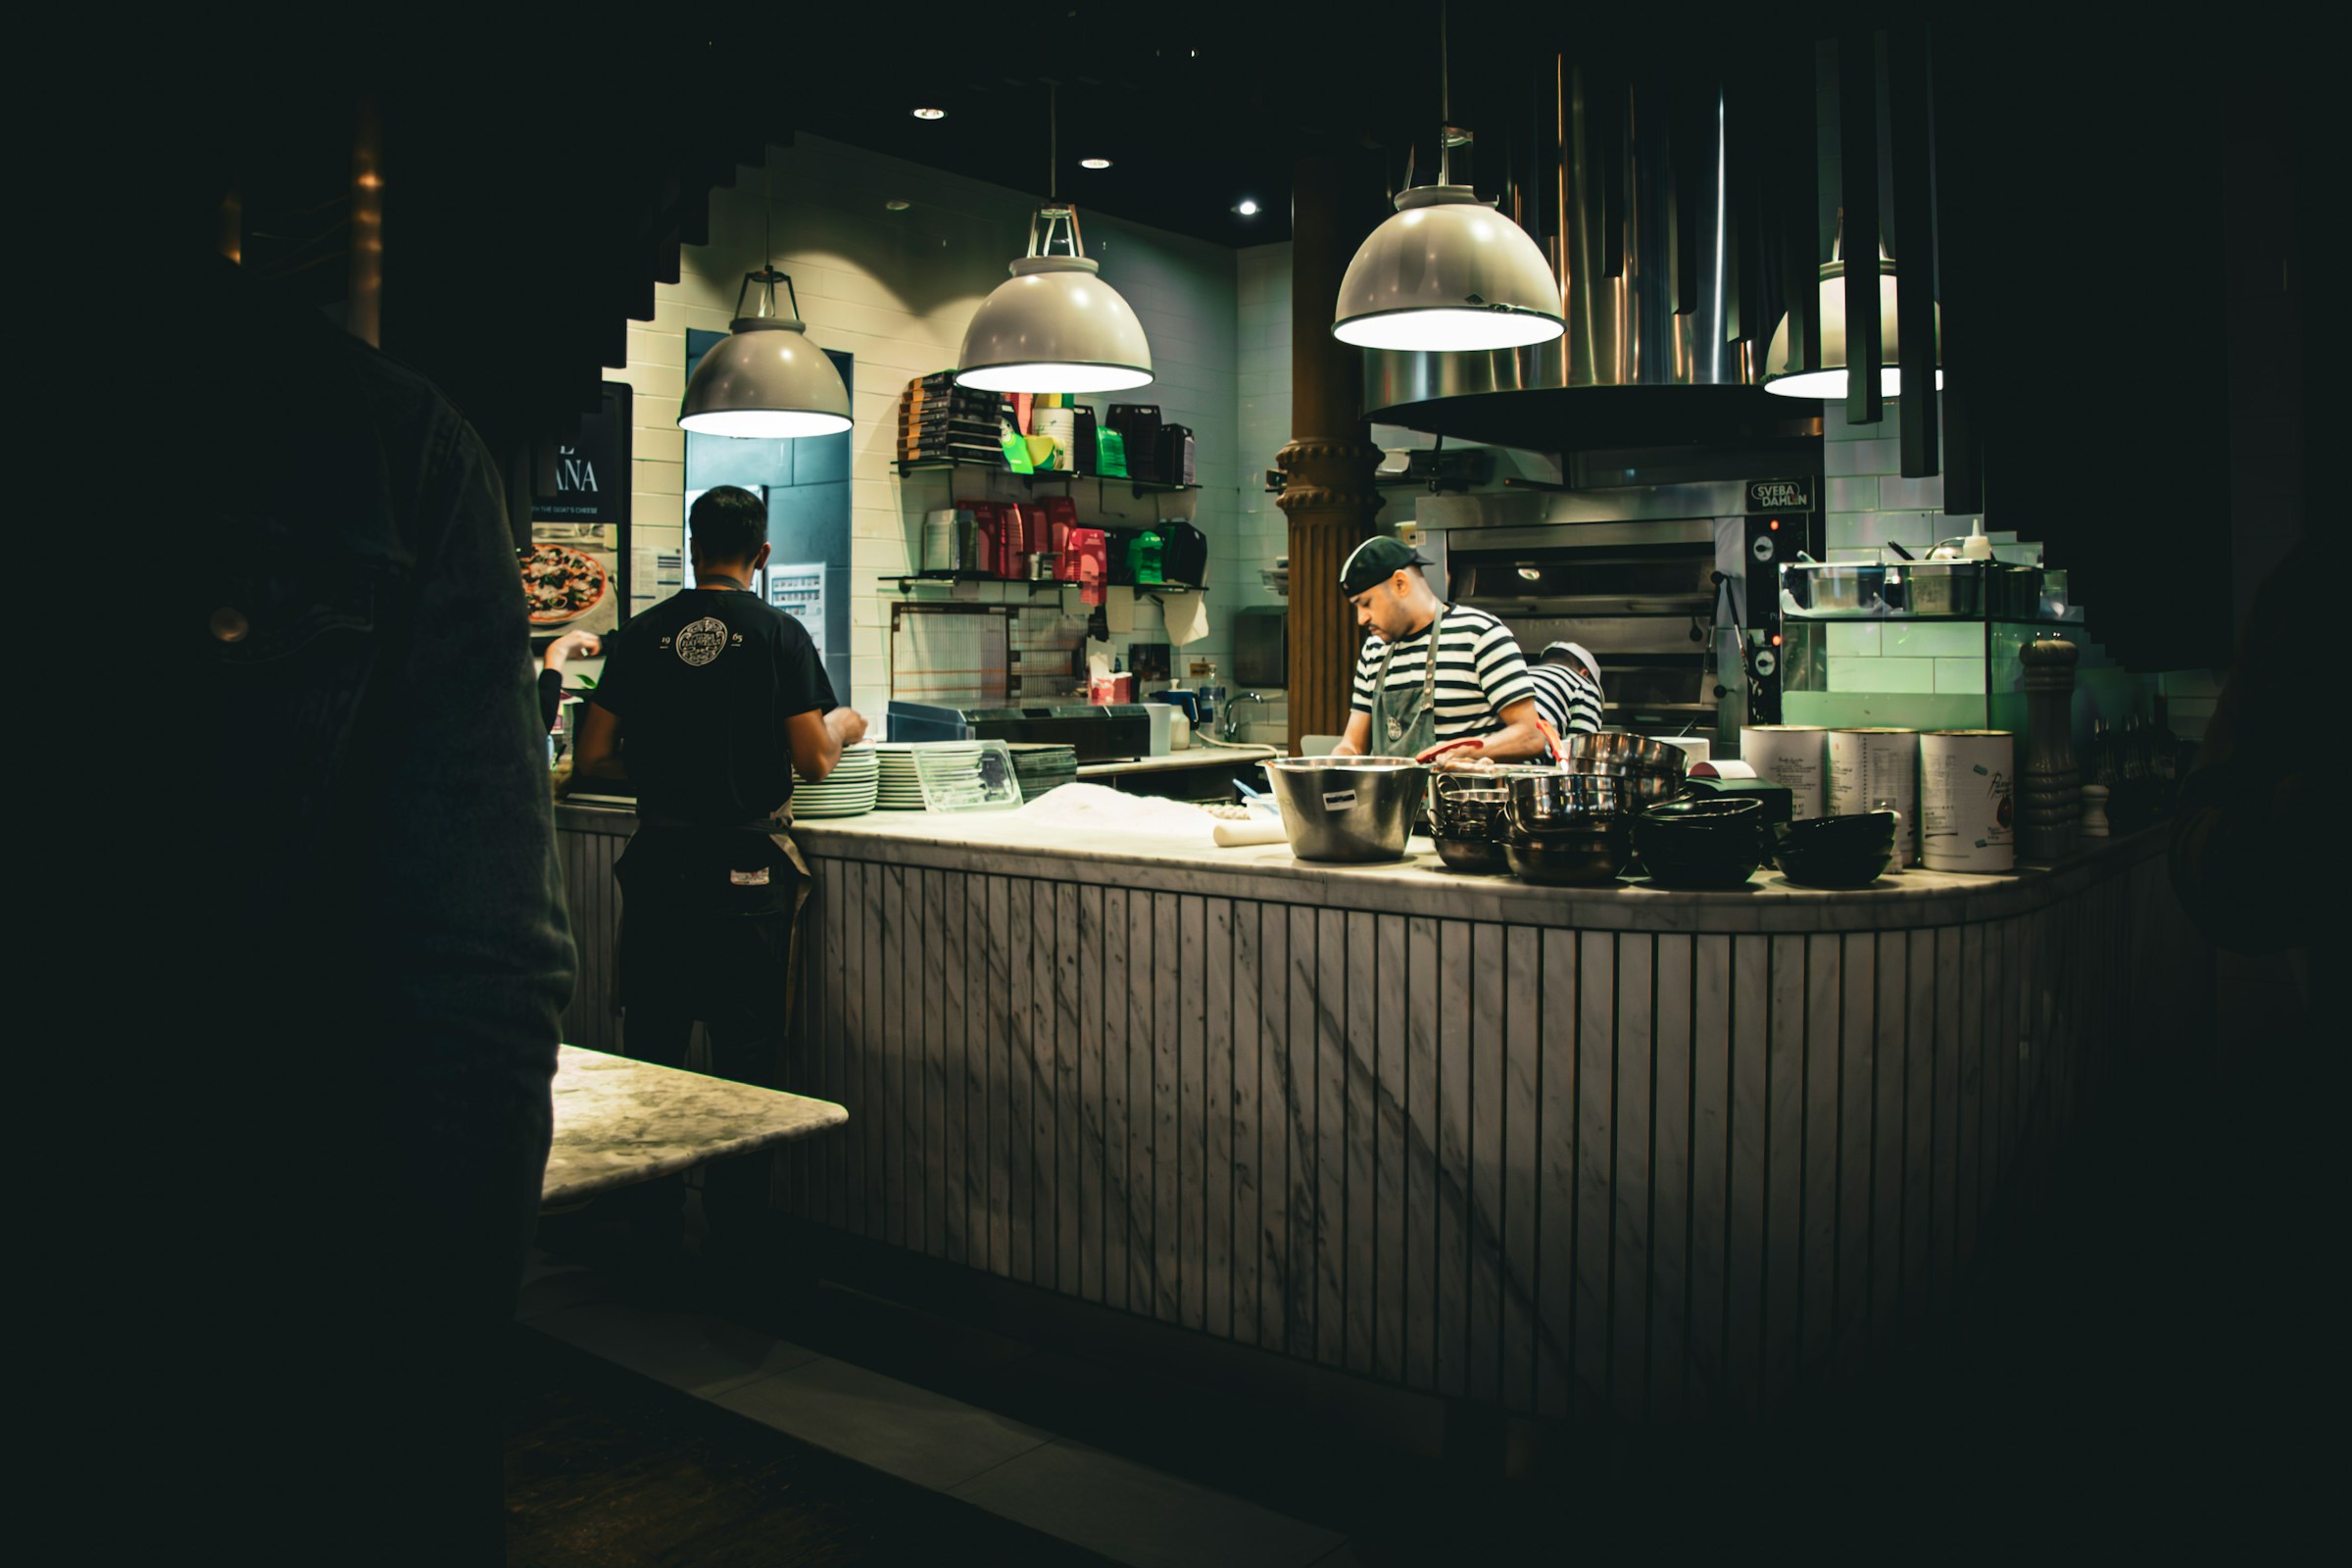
(799, 592)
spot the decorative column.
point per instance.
(2049, 788)
(1327, 491)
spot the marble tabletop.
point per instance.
(619, 1121)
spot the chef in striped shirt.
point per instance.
(1568, 688)
(1409, 705)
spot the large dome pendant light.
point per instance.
(1055, 326)
(1448, 273)
(765, 379)
(1828, 380)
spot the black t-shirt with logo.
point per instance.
(703, 684)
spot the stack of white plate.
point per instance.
(849, 790)
(900, 788)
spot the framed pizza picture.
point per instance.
(575, 563)
(571, 577)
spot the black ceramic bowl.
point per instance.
(1593, 853)
(1835, 851)
(1814, 834)
(1474, 856)
(1703, 843)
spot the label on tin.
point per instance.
(1338, 800)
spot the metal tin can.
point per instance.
(1795, 757)
(1877, 770)
(1967, 800)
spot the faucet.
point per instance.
(1231, 725)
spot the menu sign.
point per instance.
(586, 479)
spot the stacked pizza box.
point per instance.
(940, 421)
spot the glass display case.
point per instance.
(1926, 644)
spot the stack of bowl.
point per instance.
(1569, 828)
(1835, 851)
(1651, 770)
(1469, 817)
(1702, 841)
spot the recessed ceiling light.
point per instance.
(930, 114)
(1094, 163)
(1246, 206)
(897, 205)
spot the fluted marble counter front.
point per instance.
(1651, 1156)
(619, 1121)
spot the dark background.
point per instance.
(2118, 203)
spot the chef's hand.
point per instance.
(1453, 753)
(572, 645)
(847, 724)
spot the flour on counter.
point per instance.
(1100, 808)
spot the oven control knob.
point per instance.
(1762, 548)
(1767, 661)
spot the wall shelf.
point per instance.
(908, 583)
(1137, 487)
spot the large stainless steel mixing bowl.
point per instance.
(1347, 808)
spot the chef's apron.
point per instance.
(733, 894)
(1406, 726)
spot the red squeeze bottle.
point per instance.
(1012, 549)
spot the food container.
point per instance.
(1967, 807)
(1944, 587)
(2013, 592)
(1793, 755)
(1845, 588)
(1877, 770)
(1347, 809)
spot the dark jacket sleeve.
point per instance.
(475, 950)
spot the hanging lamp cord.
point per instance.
(1444, 104)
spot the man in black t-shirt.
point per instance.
(710, 703)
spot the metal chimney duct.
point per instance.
(1646, 263)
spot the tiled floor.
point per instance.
(1129, 1512)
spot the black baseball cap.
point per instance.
(1376, 560)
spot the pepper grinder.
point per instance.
(2049, 795)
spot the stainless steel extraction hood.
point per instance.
(1645, 251)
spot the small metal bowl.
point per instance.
(1594, 853)
(1554, 802)
(1473, 856)
(1623, 749)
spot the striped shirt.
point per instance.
(1480, 673)
(1567, 697)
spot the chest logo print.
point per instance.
(702, 641)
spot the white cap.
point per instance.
(1582, 654)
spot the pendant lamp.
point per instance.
(1828, 378)
(1055, 326)
(1448, 273)
(765, 379)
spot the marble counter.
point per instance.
(619, 1121)
(1006, 844)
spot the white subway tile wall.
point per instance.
(1915, 672)
(895, 289)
